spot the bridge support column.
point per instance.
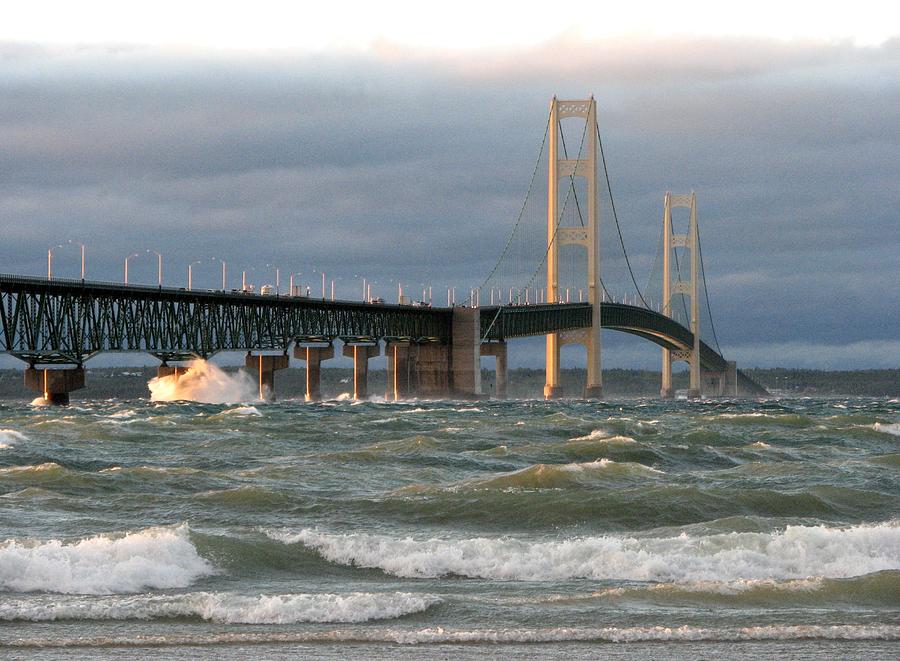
(55, 384)
(433, 370)
(361, 354)
(313, 356)
(401, 371)
(498, 351)
(165, 370)
(465, 353)
(265, 366)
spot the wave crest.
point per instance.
(224, 608)
(796, 552)
(103, 564)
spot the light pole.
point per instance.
(158, 267)
(191, 273)
(134, 254)
(49, 263)
(78, 243)
(291, 282)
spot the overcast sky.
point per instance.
(385, 143)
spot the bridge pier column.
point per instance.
(401, 371)
(313, 356)
(165, 370)
(432, 369)
(361, 354)
(465, 353)
(55, 384)
(498, 351)
(265, 366)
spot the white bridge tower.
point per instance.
(670, 242)
(588, 236)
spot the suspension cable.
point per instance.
(612, 203)
(509, 240)
(687, 317)
(712, 323)
(558, 219)
(571, 176)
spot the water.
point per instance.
(633, 529)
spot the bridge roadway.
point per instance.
(66, 322)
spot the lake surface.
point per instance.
(631, 529)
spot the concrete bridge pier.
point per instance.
(432, 369)
(265, 366)
(465, 356)
(498, 351)
(361, 354)
(313, 355)
(165, 370)
(55, 384)
(402, 377)
(720, 384)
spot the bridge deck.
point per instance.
(68, 321)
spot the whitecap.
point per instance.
(242, 410)
(795, 552)
(103, 564)
(9, 437)
(887, 428)
(223, 607)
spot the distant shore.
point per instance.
(131, 382)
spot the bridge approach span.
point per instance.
(66, 322)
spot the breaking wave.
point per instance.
(203, 382)
(891, 428)
(796, 552)
(9, 437)
(103, 564)
(224, 607)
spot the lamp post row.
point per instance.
(366, 284)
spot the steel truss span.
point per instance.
(504, 323)
(68, 321)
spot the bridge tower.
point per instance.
(670, 242)
(588, 236)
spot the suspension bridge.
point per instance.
(55, 325)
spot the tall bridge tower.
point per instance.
(585, 165)
(670, 242)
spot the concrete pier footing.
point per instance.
(55, 384)
(165, 370)
(265, 366)
(465, 353)
(498, 351)
(313, 355)
(593, 392)
(360, 353)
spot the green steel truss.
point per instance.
(60, 321)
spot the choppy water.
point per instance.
(525, 528)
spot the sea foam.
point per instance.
(9, 437)
(889, 428)
(103, 564)
(222, 607)
(441, 635)
(796, 552)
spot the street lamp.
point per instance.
(191, 273)
(78, 243)
(158, 266)
(291, 285)
(134, 254)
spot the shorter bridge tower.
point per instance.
(670, 242)
(588, 236)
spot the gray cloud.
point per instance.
(413, 168)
